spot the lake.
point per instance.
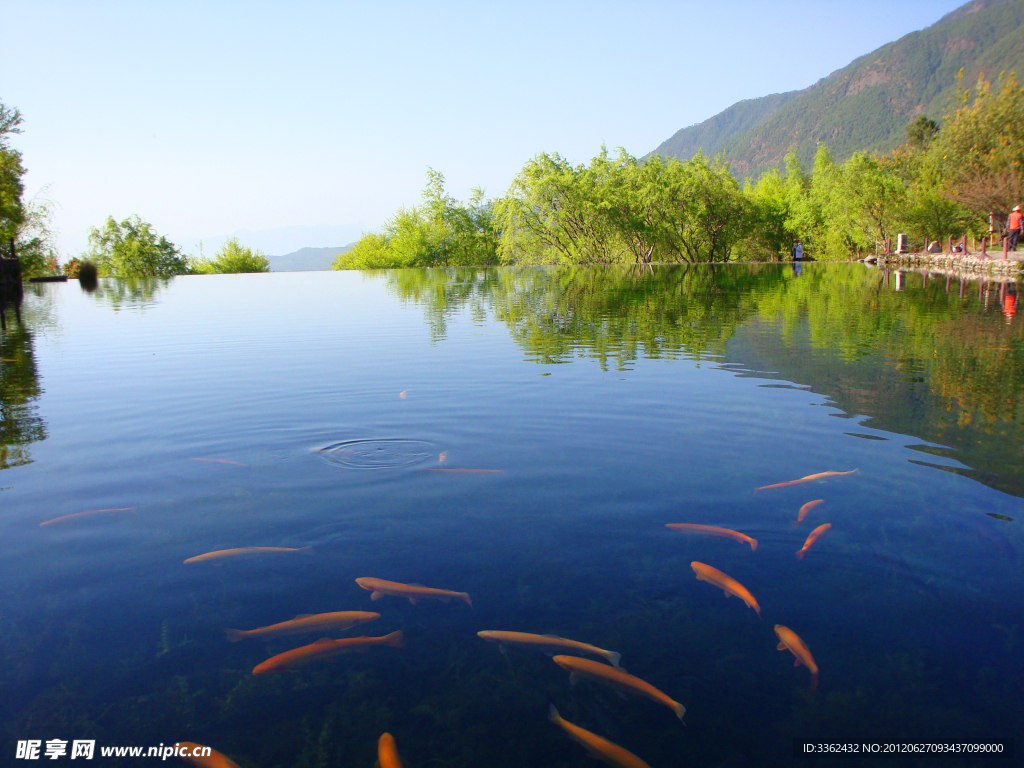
(354, 413)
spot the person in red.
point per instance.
(1014, 225)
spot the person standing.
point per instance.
(798, 250)
(1014, 225)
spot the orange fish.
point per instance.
(816, 534)
(808, 479)
(602, 749)
(545, 644)
(788, 639)
(325, 648)
(439, 469)
(387, 752)
(320, 622)
(244, 551)
(616, 679)
(713, 530)
(415, 592)
(85, 514)
(807, 508)
(727, 584)
(222, 461)
(204, 757)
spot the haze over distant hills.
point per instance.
(306, 259)
(867, 104)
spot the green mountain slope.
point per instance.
(867, 104)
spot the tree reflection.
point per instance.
(19, 388)
(933, 361)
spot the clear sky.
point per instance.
(211, 117)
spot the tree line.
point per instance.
(127, 248)
(618, 209)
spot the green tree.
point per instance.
(131, 248)
(12, 211)
(767, 235)
(921, 132)
(233, 258)
(440, 232)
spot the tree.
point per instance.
(980, 152)
(12, 212)
(440, 232)
(921, 132)
(131, 248)
(233, 258)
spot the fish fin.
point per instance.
(304, 615)
(234, 635)
(622, 695)
(445, 599)
(394, 639)
(305, 550)
(574, 679)
(503, 649)
(796, 662)
(726, 592)
(414, 584)
(553, 715)
(780, 647)
(466, 598)
(680, 710)
(376, 595)
(414, 600)
(814, 679)
(323, 640)
(753, 545)
(614, 657)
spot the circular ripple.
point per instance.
(378, 454)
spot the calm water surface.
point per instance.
(307, 410)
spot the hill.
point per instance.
(307, 259)
(867, 104)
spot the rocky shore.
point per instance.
(993, 264)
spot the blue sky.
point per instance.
(216, 117)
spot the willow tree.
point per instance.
(132, 248)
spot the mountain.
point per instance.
(279, 239)
(306, 259)
(867, 104)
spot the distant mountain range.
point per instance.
(868, 104)
(306, 259)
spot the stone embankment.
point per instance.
(971, 263)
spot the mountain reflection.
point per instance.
(935, 359)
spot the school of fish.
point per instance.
(565, 652)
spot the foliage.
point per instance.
(12, 212)
(981, 149)
(441, 231)
(131, 248)
(35, 240)
(233, 258)
(619, 210)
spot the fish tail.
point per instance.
(234, 635)
(305, 550)
(394, 639)
(613, 657)
(753, 545)
(814, 682)
(553, 715)
(800, 554)
(465, 597)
